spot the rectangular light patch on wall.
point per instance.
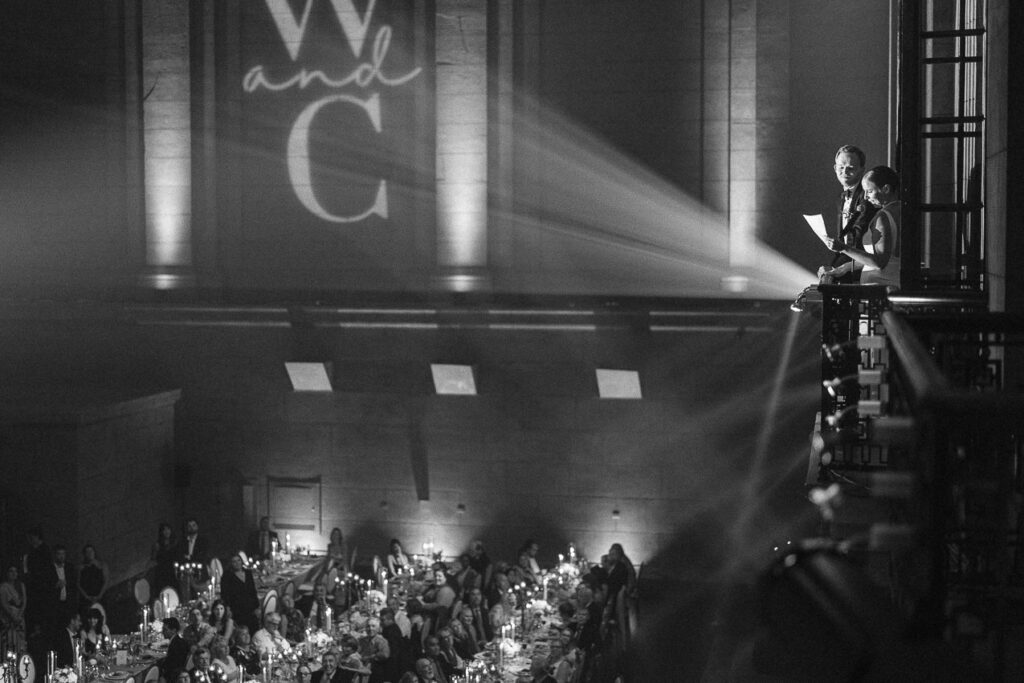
(618, 384)
(457, 380)
(309, 376)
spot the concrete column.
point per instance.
(167, 143)
(461, 152)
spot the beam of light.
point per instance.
(579, 197)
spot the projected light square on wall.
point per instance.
(309, 376)
(456, 380)
(618, 384)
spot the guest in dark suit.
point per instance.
(238, 591)
(539, 671)
(64, 644)
(38, 560)
(400, 653)
(194, 548)
(329, 671)
(177, 651)
(853, 211)
(262, 541)
(62, 585)
(314, 607)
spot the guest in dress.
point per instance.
(92, 579)
(223, 659)
(238, 590)
(878, 255)
(243, 652)
(220, 619)
(94, 631)
(436, 603)
(262, 541)
(337, 552)
(164, 554)
(397, 560)
(293, 622)
(13, 597)
(481, 563)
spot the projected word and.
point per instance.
(365, 105)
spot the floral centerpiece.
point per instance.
(375, 601)
(64, 675)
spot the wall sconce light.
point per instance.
(460, 508)
(615, 515)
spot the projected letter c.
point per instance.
(298, 159)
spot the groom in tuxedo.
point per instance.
(853, 211)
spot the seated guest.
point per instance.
(523, 572)
(444, 668)
(559, 663)
(464, 638)
(303, 674)
(177, 651)
(222, 658)
(64, 643)
(426, 671)
(262, 541)
(238, 590)
(500, 591)
(475, 603)
(243, 652)
(401, 617)
(539, 670)
(220, 619)
(349, 660)
(465, 576)
(436, 603)
(201, 661)
(400, 658)
(315, 607)
(269, 640)
(376, 652)
(329, 672)
(397, 561)
(293, 622)
(198, 633)
(93, 632)
(447, 652)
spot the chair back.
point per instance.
(141, 591)
(269, 602)
(153, 674)
(169, 599)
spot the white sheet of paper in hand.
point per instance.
(817, 224)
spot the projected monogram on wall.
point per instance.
(367, 75)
